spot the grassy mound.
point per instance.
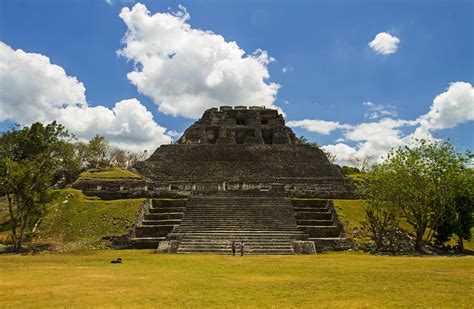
(346, 280)
(74, 220)
(108, 173)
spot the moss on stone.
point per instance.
(108, 173)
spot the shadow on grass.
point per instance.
(29, 249)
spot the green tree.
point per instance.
(28, 159)
(421, 182)
(97, 152)
(350, 170)
(459, 218)
(382, 213)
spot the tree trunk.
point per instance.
(14, 224)
(24, 226)
(419, 241)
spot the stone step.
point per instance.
(185, 246)
(229, 251)
(321, 231)
(166, 209)
(264, 226)
(162, 222)
(145, 242)
(236, 203)
(187, 221)
(226, 234)
(315, 222)
(220, 228)
(153, 231)
(313, 216)
(310, 209)
(164, 216)
(331, 243)
(209, 242)
(169, 203)
(309, 203)
(236, 227)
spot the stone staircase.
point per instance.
(319, 220)
(157, 218)
(264, 221)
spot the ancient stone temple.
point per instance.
(237, 174)
(242, 149)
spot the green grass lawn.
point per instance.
(347, 279)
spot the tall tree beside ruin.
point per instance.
(422, 182)
(28, 159)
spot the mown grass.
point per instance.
(108, 173)
(87, 279)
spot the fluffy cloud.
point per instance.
(376, 111)
(384, 43)
(30, 86)
(186, 70)
(319, 126)
(33, 89)
(374, 139)
(450, 108)
(128, 125)
(343, 152)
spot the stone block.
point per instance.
(304, 247)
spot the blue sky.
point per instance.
(322, 45)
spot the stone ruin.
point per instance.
(237, 174)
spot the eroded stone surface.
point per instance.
(239, 125)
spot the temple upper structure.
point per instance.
(239, 125)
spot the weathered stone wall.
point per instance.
(302, 170)
(239, 125)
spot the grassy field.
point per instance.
(347, 279)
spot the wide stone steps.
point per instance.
(317, 219)
(221, 243)
(229, 251)
(266, 224)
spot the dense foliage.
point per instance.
(35, 158)
(429, 186)
(28, 159)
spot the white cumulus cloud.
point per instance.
(450, 108)
(30, 85)
(34, 89)
(376, 138)
(384, 43)
(318, 126)
(342, 152)
(187, 70)
(128, 125)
